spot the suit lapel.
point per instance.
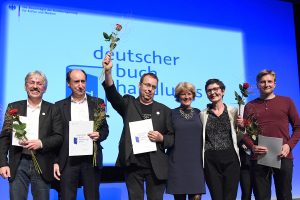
(155, 115)
(43, 115)
(91, 105)
(23, 108)
(231, 114)
(204, 116)
(67, 109)
(138, 107)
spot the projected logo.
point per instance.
(12, 7)
(93, 86)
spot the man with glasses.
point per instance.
(150, 167)
(273, 114)
(44, 133)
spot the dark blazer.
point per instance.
(130, 110)
(65, 109)
(50, 133)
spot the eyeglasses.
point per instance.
(148, 85)
(32, 83)
(210, 91)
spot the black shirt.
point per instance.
(143, 159)
(218, 131)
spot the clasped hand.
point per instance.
(285, 150)
(31, 144)
(107, 63)
(94, 135)
(155, 136)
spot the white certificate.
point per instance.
(271, 158)
(80, 143)
(139, 136)
(32, 131)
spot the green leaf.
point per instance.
(113, 45)
(106, 36)
(241, 87)
(20, 134)
(19, 126)
(245, 93)
(238, 97)
(117, 39)
(236, 94)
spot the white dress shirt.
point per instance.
(79, 110)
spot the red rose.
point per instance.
(247, 122)
(118, 27)
(13, 111)
(102, 105)
(246, 85)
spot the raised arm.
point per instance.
(107, 65)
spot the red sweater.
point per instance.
(274, 116)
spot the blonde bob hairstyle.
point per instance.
(184, 86)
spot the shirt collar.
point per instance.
(34, 107)
(209, 108)
(80, 101)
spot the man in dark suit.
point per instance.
(45, 136)
(150, 167)
(73, 170)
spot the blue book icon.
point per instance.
(75, 140)
(137, 139)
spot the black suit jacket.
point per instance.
(50, 133)
(130, 110)
(65, 109)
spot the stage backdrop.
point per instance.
(179, 41)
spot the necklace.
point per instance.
(186, 115)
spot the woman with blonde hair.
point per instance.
(186, 175)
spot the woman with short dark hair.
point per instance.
(221, 153)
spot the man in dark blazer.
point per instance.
(151, 167)
(75, 170)
(44, 118)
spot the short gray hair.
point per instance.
(37, 72)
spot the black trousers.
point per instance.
(246, 177)
(222, 173)
(79, 171)
(135, 178)
(190, 196)
(246, 182)
(282, 180)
